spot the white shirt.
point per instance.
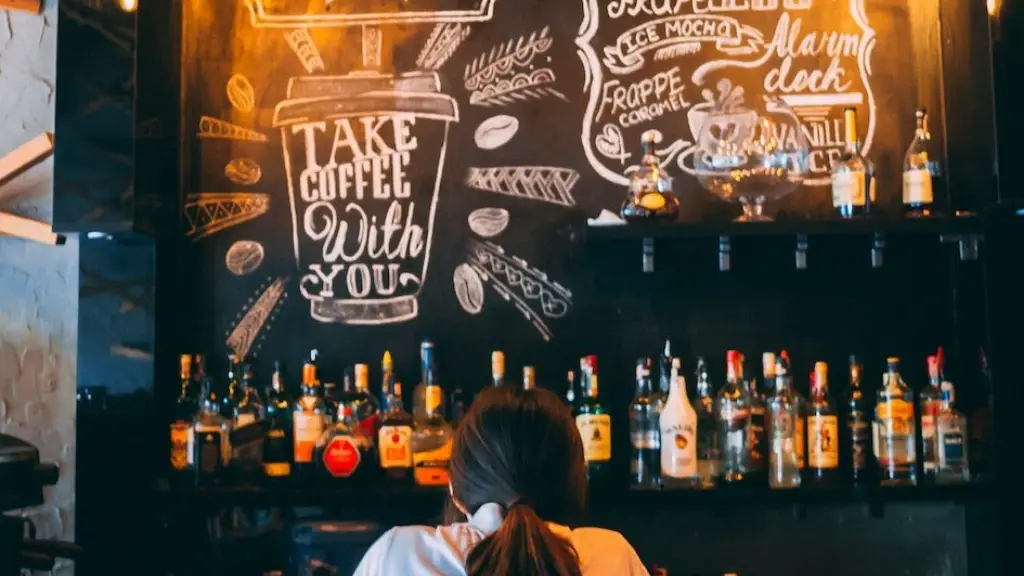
(442, 551)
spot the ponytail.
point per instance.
(523, 545)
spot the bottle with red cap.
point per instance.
(594, 424)
(733, 414)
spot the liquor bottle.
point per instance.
(307, 422)
(853, 175)
(595, 426)
(929, 402)
(570, 389)
(679, 428)
(783, 414)
(230, 399)
(800, 431)
(895, 440)
(199, 374)
(364, 408)
(649, 195)
(708, 456)
(346, 453)
(922, 171)
(665, 379)
(211, 446)
(951, 429)
(757, 463)
(419, 399)
(498, 368)
(823, 428)
(529, 378)
(432, 435)
(249, 409)
(644, 462)
(331, 399)
(184, 414)
(394, 440)
(733, 415)
(859, 460)
(278, 448)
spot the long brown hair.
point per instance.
(521, 450)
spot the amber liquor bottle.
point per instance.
(181, 429)
(394, 440)
(308, 423)
(822, 432)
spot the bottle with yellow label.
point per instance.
(432, 434)
(650, 187)
(895, 430)
(822, 432)
(185, 409)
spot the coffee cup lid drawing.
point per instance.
(329, 14)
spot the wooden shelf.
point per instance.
(938, 226)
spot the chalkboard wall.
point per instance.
(359, 176)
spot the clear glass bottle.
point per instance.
(394, 440)
(952, 434)
(364, 409)
(595, 425)
(650, 188)
(184, 413)
(853, 175)
(419, 399)
(860, 460)
(709, 459)
(308, 422)
(679, 428)
(895, 429)
(278, 447)
(529, 377)
(922, 171)
(497, 368)
(823, 432)
(211, 445)
(929, 403)
(432, 434)
(733, 413)
(783, 468)
(644, 461)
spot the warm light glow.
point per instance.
(129, 5)
(993, 7)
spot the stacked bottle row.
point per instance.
(317, 436)
(745, 434)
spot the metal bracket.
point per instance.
(877, 250)
(648, 255)
(969, 244)
(724, 260)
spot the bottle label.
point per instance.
(917, 187)
(953, 448)
(679, 450)
(823, 441)
(209, 457)
(244, 420)
(929, 439)
(431, 466)
(799, 439)
(848, 189)
(395, 446)
(307, 430)
(895, 419)
(596, 432)
(341, 456)
(858, 440)
(277, 469)
(181, 445)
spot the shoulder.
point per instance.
(606, 552)
(414, 549)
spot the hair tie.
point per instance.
(519, 501)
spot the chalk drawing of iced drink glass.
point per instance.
(364, 153)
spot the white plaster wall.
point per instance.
(38, 284)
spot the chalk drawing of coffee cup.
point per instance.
(364, 154)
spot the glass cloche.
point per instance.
(750, 152)
(650, 187)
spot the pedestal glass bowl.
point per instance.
(751, 152)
